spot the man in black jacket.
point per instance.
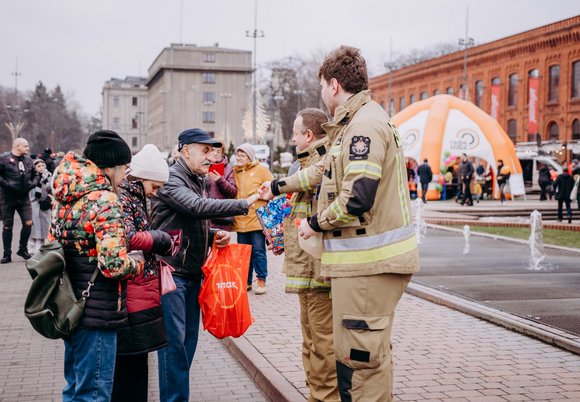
(425, 176)
(182, 204)
(17, 178)
(467, 171)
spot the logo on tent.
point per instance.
(465, 140)
(411, 139)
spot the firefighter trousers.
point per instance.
(363, 309)
(317, 349)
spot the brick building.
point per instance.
(530, 82)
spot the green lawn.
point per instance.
(565, 238)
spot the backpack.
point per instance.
(51, 305)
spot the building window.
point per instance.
(208, 98)
(411, 99)
(208, 117)
(512, 130)
(209, 57)
(134, 101)
(513, 90)
(450, 91)
(208, 78)
(436, 92)
(401, 103)
(554, 84)
(115, 101)
(478, 93)
(553, 130)
(134, 123)
(134, 142)
(391, 107)
(116, 123)
(576, 129)
(495, 81)
(576, 80)
(383, 104)
(424, 95)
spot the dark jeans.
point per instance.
(258, 262)
(467, 197)
(424, 188)
(545, 190)
(502, 191)
(181, 312)
(131, 378)
(568, 209)
(22, 206)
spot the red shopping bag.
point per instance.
(225, 309)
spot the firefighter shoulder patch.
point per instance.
(359, 148)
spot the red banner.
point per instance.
(494, 111)
(533, 85)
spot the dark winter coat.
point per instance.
(563, 186)
(17, 179)
(224, 188)
(183, 204)
(425, 173)
(544, 175)
(145, 331)
(93, 235)
(467, 171)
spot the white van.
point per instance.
(531, 164)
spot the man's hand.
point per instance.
(304, 230)
(222, 238)
(214, 176)
(253, 198)
(265, 191)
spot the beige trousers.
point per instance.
(317, 346)
(363, 310)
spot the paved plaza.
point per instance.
(440, 354)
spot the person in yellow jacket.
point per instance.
(303, 270)
(249, 175)
(364, 213)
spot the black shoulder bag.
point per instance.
(51, 305)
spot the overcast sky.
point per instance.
(80, 44)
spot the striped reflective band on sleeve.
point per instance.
(302, 208)
(304, 181)
(364, 167)
(401, 184)
(304, 283)
(340, 214)
(368, 256)
(369, 242)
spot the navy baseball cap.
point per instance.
(196, 136)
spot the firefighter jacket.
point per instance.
(301, 269)
(363, 202)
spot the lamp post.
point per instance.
(390, 68)
(15, 125)
(255, 34)
(298, 93)
(466, 42)
(225, 96)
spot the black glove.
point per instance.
(37, 194)
(161, 242)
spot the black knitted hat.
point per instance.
(107, 149)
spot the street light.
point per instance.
(255, 34)
(466, 42)
(225, 96)
(391, 66)
(298, 93)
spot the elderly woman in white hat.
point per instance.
(145, 331)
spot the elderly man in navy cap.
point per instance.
(182, 204)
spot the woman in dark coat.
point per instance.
(145, 330)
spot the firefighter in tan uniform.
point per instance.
(364, 214)
(301, 269)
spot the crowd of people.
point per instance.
(114, 213)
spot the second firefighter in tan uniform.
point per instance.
(364, 214)
(303, 270)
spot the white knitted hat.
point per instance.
(148, 164)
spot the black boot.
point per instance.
(6, 259)
(23, 253)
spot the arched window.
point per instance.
(411, 99)
(478, 93)
(513, 90)
(553, 131)
(424, 95)
(576, 80)
(554, 84)
(512, 130)
(436, 92)
(450, 91)
(576, 129)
